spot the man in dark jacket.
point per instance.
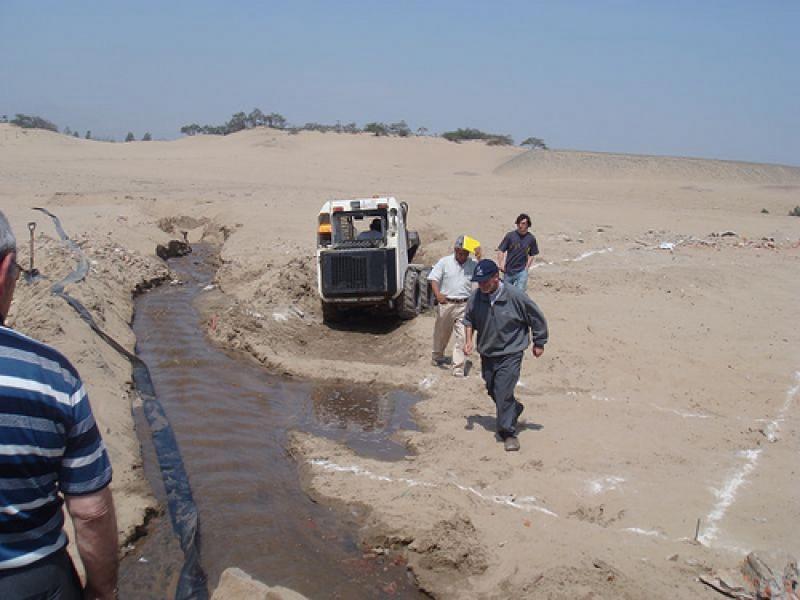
(505, 319)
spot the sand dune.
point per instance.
(673, 351)
(560, 164)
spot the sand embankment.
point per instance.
(668, 392)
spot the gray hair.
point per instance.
(8, 243)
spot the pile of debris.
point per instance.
(663, 240)
(757, 581)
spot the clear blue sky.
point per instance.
(714, 78)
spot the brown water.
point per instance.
(231, 421)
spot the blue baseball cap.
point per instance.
(484, 270)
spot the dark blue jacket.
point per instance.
(505, 327)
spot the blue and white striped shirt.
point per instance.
(49, 445)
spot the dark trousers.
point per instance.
(501, 374)
(51, 578)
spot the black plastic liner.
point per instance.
(192, 583)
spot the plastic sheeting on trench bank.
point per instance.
(182, 508)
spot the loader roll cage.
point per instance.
(359, 229)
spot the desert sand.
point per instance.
(668, 392)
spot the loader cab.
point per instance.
(364, 251)
(350, 229)
(369, 223)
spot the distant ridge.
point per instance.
(557, 164)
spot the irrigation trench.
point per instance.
(231, 419)
(182, 508)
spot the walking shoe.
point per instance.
(438, 362)
(511, 444)
(458, 373)
(520, 408)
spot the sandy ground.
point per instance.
(668, 393)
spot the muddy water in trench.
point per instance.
(231, 421)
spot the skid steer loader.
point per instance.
(364, 254)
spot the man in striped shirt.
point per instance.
(51, 454)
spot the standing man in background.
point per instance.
(51, 454)
(451, 281)
(515, 253)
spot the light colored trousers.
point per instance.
(519, 280)
(449, 320)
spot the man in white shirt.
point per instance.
(451, 281)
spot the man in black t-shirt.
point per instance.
(515, 253)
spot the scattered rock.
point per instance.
(235, 584)
(174, 249)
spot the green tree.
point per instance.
(67, 130)
(147, 137)
(75, 134)
(192, 129)
(400, 128)
(376, 128)
(535, 143)
(88, 134)
(236, 123)
(130, 137)
(500, 140)
(33, 122)
(462, 134)
(256, 118)
(275, 120)
(493, 139)
(422, 131)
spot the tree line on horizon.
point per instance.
(256, 118)
(34, 122)
(238, 122)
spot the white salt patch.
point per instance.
(427, 382)
(280, 317)
(726, 494)
(586, 255)
(583, 256)
(356, 470)
(681, 413)
(525, 503)
(647, 532)
(604, 484)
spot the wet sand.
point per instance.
(231, 420)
